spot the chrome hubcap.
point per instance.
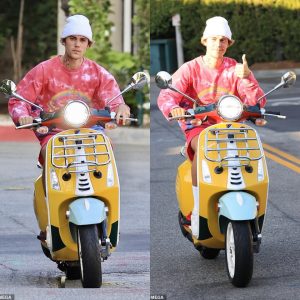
(80, 256)
(230, 250)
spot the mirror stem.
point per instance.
(23, 99)
(181, 93)
(274, 89)
(129, 87)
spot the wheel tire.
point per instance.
(89, 252)
(73, 272)
(185, 233)
(46, 251)
(208, 253)
(239, 253)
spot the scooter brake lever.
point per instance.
(36, 122)
(130, 119)
(27, 125)
(179, 117)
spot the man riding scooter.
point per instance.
(205, 79)
(52, 83)
(70, 99)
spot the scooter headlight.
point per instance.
(76, 113)
(230, 108)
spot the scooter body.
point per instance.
(82, 188)
(233, 182)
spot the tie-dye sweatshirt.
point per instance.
(207, 85)
(51, 85)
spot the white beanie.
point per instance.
(217, 26)
(77, 25)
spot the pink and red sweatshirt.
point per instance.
(207, 85)
(51, 85)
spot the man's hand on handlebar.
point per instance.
(24, 120)
(42, 130)
(110, 125)
(260, 122)
(122, 113)
(177, 112)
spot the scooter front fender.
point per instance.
(237, 206)
(87, 211)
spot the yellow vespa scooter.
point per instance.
(78, 204)
(232, 179)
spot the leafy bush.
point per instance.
(264, 30)
(39, 29)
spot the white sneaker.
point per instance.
(183, 150)
(195, 224)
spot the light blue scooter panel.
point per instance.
(238, 206)
(86, 211)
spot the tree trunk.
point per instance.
(17, 50)
(14, 57)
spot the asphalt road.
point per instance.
(28, 274)
(177, 270)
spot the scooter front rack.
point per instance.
(237, 146)
(80, 152)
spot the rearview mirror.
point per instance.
(288, 79)
(138, 80)
(163, 80)
(7, 87)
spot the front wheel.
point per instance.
(73, 272)
(239, 253)
(89, 252)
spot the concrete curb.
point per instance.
(5, 120)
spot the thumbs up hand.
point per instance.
(242, 70)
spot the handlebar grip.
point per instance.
(179, 117)
(273, 112)
(132, 119)
(30, 125)
(27, 126)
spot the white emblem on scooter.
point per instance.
(239, 199)
(87, 204)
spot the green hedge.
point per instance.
(268, 32)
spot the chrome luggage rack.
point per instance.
(77, 153)
(239, 138)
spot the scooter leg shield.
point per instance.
(86, 211)
(237, 206)
(40, 205)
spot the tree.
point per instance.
(97, 12)
(17, 50)
(39, 32)
(141, 20)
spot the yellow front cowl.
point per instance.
(73, 188)
(246, 149)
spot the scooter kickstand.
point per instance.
(62, 281)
